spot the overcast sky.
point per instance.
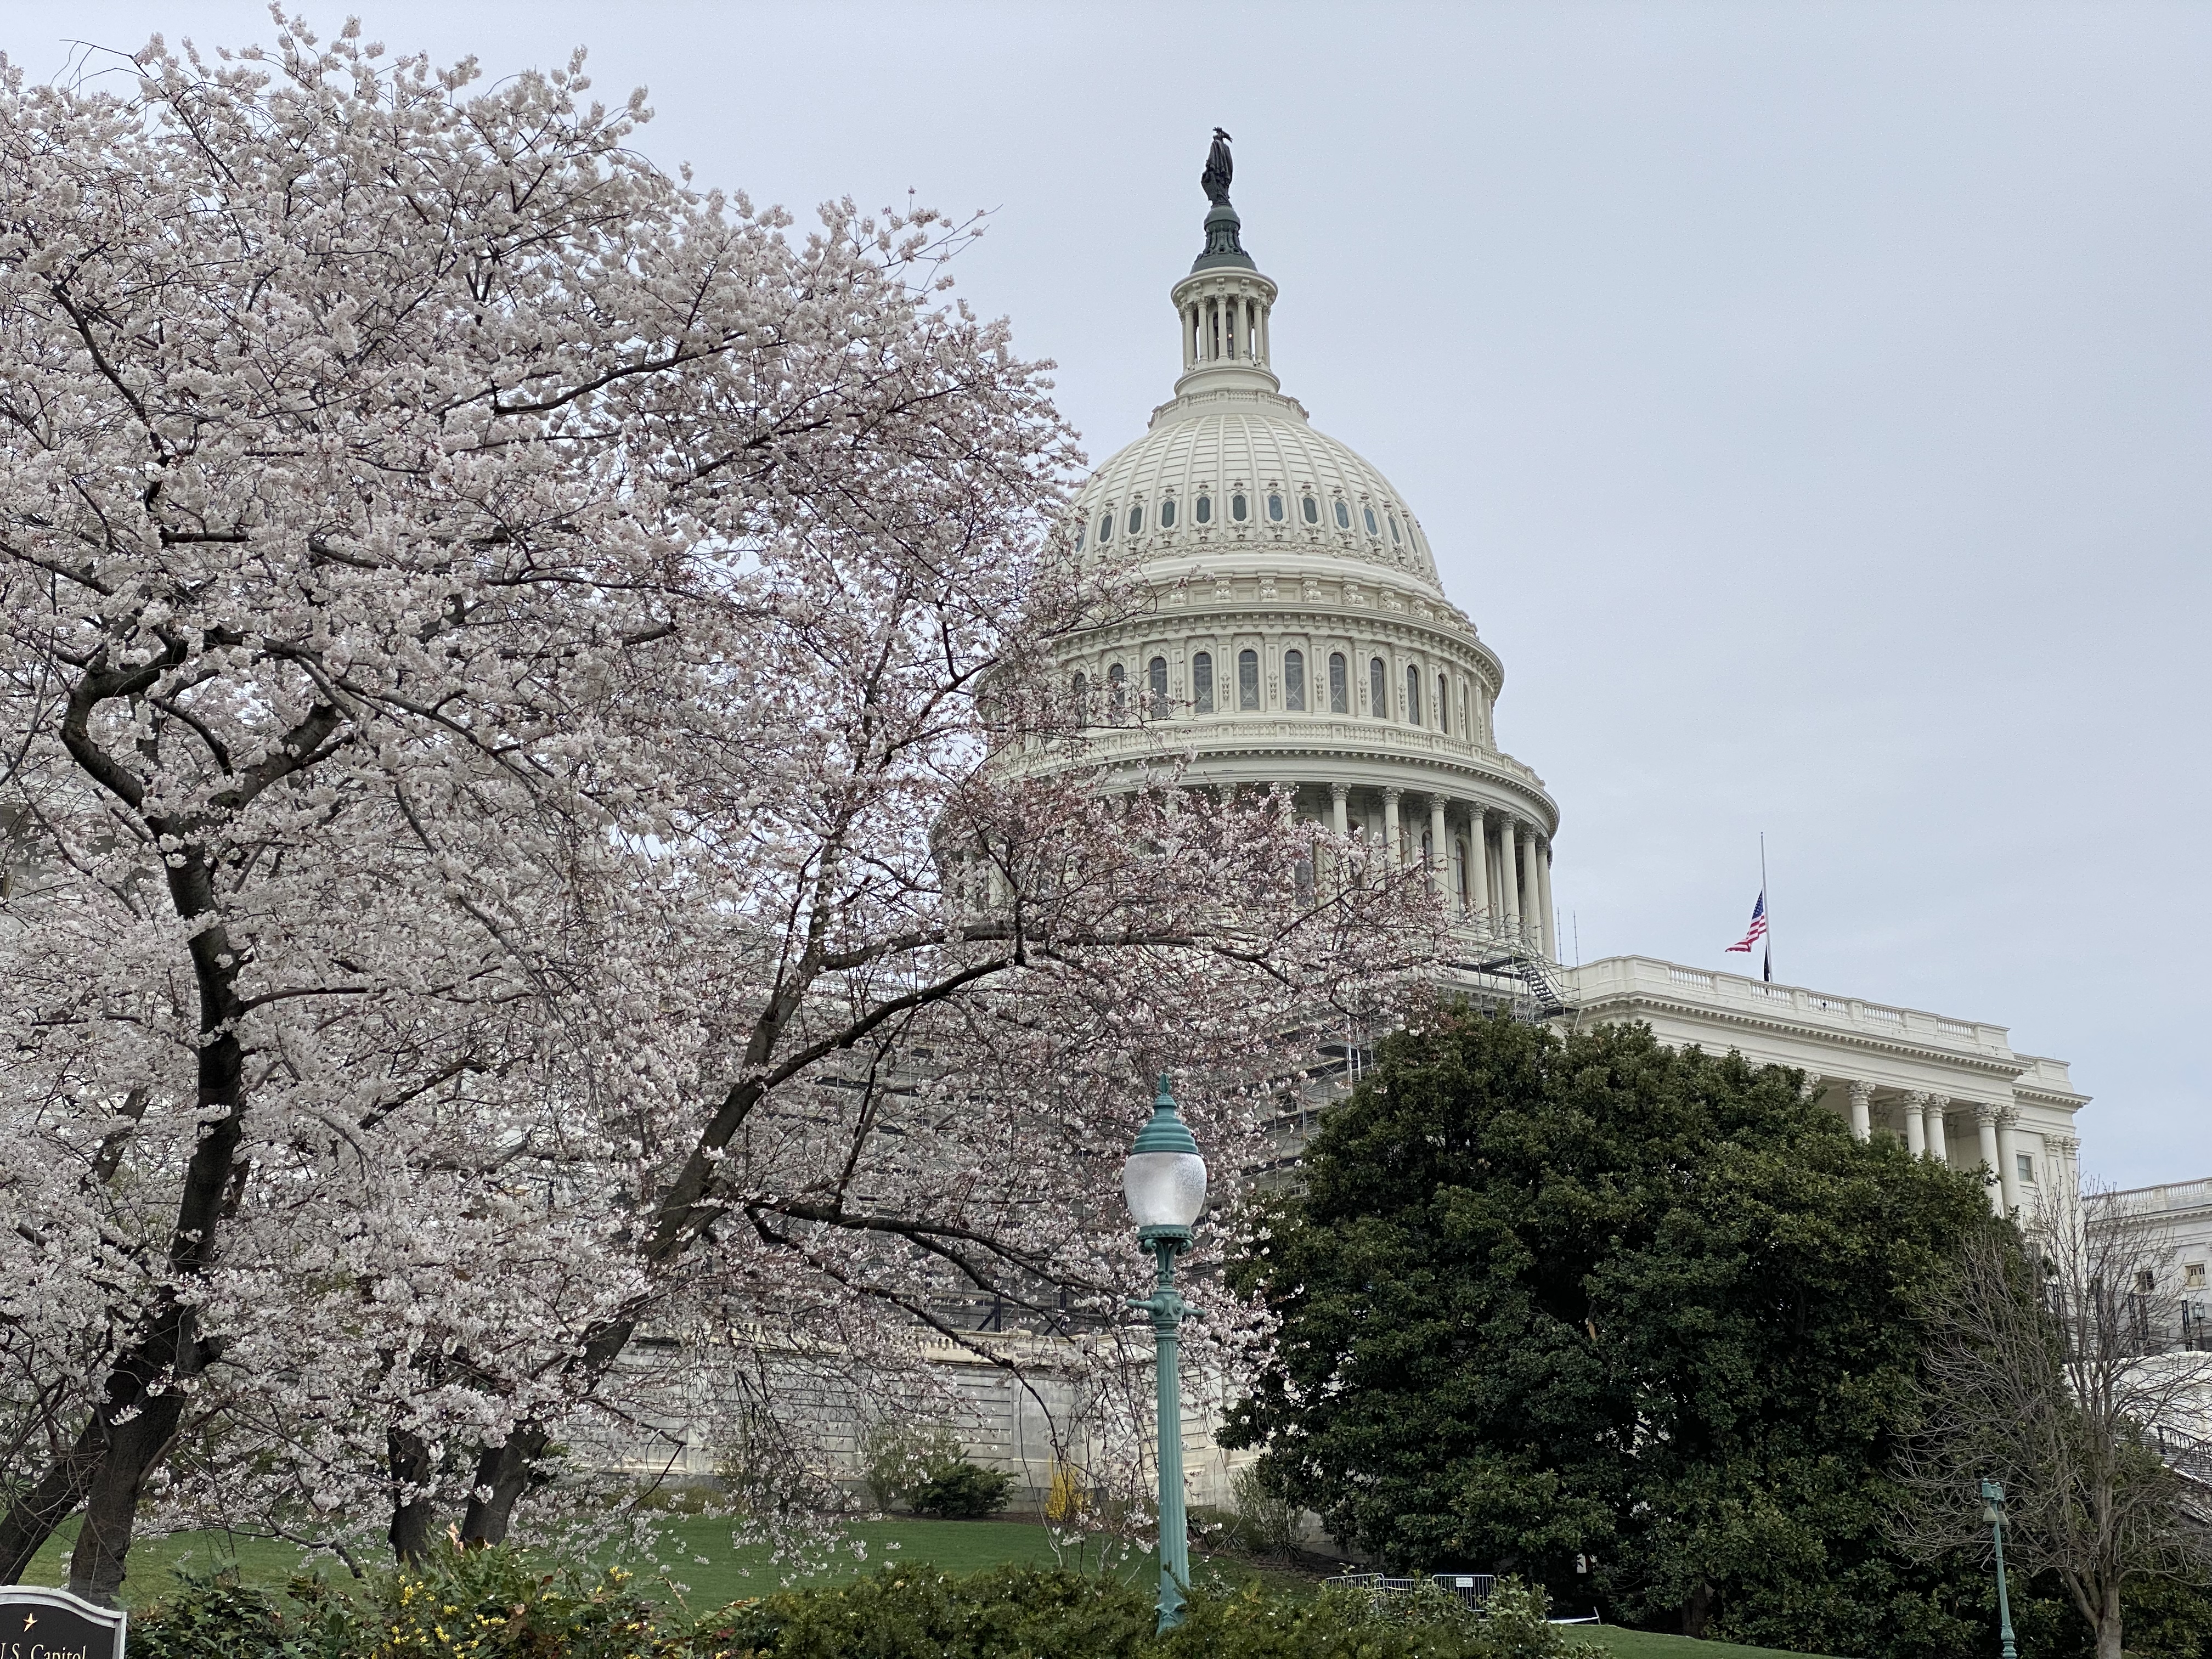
(1813, 405)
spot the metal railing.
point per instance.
(1471, 1588)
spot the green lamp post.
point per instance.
(1164, 1182)
(1993, 1512)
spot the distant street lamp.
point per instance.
(1993, 1512)
(1164, 1182)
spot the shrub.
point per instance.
(1267, 1523)
(962, 1491)
(213, 1616)
(921, 1613)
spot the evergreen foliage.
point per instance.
(1546, 1295)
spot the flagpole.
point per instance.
(1767, 899)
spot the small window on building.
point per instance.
(1412, 696)
(1078, 537)
(1248, 679)
(1443, 704)
(1201, 681)
(1378, 689)
(1156, 683)
(1115, 705)
(1393, 527)
(1339, 692)
(1373, 528)
(1106, 528)
(1236, 507)
(2193, 1276)
(1274, 508)
(2025, 1163)
(1204, 512)
(1343, 516)
(1167, 513)
(1080, 696)
(1294, 679)
(1136, 518)
(2146, 1281)
(1311, 509)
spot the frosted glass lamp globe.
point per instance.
(1165, 1178)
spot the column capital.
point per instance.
(2064, 1145)
(1810, 1089)
(1862, 1092)
(1339, 792)
(1920, 1100)
(1391, 792)
(1985, 1112)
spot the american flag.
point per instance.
(1757, 931)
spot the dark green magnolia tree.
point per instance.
(1545, 1297)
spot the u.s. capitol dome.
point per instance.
(1296, 632)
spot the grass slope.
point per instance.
(1643, 1644)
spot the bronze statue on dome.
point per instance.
(1214, 181)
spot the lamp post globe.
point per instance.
(1164, 1182)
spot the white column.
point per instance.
(1339, 815)
(2009, 1163)
(1985, 1131)
(1531, 910)
(1544, 912)
(1916, 1123)
(1863, 1111)
(1509, 875)
(1939, 1143)
(1439, 851)
(1478, 862)
(1394, 847)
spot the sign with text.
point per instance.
(51, 1624)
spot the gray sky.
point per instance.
(1811, 403)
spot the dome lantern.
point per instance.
(1222, 306)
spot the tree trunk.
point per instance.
(1698, 1611)
(135, 1424)
(2108, 1621)
(502, 1473)
(410, 1502)
(32, 1516)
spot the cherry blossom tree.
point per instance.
(535, 811)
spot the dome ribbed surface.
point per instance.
(1260, 444)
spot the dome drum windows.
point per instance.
(1373, 529)
(1443, 704)
(1106, 526)
(1155, 687)
(1274, 507)
(1378, 689)
(1167, 512)
(1294, 680)
(1412, 696)
(1311, 508)
(1248, 679)
(1204, 511)
(1137, 519)
(1117, 703)
(1343, 516)
(1236, 507)
(1339, 691)
(1201, 681)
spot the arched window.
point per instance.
(1116, 705)
(1079, 529)
(1378, 689)
(1412, 695)
(1079, 695)
(1343, 516)
(1248, 679)
(1443, 704)
(1294, 679)
(1136, 517)
(1106, 527)
(1393, 527)
(1201, 681)
(1236, 507)
(1373, 529)
(1311, 509)
(1338, 691)
(1459, 869)
(1167, 513)
(1274, 508)
(1156, 682)
(1205, 510)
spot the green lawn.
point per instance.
(726, 1575)
(1641, 1645)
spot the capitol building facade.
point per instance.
(1294, 632)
